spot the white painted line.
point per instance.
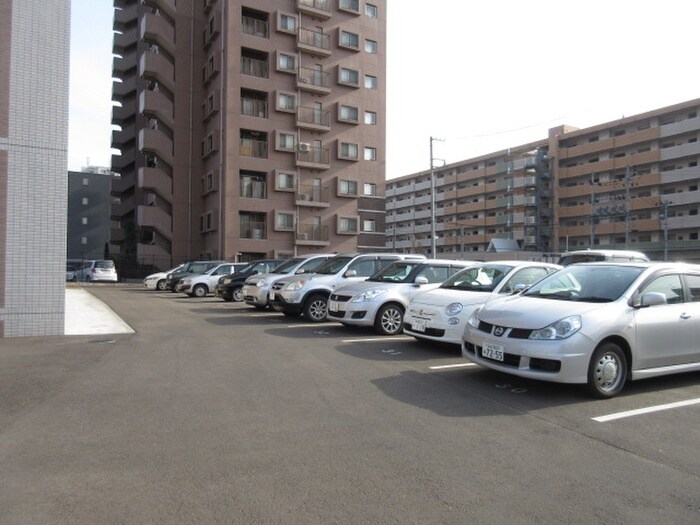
(309, 325)
(648, 410)
(375, 339)
(446, 367)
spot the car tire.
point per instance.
(87, 278)
(607, 371)
(316, 308)
(200, 290)
(389, 320)
(226, 297)
(237, 294)
(161, 285)
(74, 279)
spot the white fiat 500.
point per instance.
(441, 314)
(594, 323)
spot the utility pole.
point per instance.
(433, 247)
(628, 177)
(665, 204)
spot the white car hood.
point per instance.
(442, 297)
(533, 312)
(357, 288)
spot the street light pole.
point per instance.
(433, 235)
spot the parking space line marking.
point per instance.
(375, 339)
(447, 367)
(309, 325)
(640, 411)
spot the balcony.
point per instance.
(313, 119)
(121, 162)
(121, 65)
(167, 6)
(121, 90)
(254, 67)
(156, 142)
(124, 39)
(156, 218)
(157, 104)
(320, 9)
(255, 27)
(157, 29)
(124, 16)
(313, 81)
(122, 137)
(121, 185)
(122, 208)
(156, 180)
(254, 230)
(312, 196)
(253, 148)
(312, 235)
(314, 42)
(313, 157)
(156, 67)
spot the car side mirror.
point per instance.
(300, 271)
(351, 273)
(520, 288)
(651, 299)
(420, 280)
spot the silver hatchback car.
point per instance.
(381, 300)
(598, 324)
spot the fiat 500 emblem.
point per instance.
(498, 331)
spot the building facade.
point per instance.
(89, 224)
(248, 128)
(631, 183)
(34, 59)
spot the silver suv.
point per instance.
(308, 294)
(381, 300)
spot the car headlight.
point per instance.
(185, 281)
(261, 283)
(367, 296)
(562, 329)
(474, 318)
(453, 309)
(295, 285)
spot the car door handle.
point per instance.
(685, 316)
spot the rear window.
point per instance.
(566, 260)
(105, 265)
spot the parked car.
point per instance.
(308, 294)
(441, 315)
(381, 300)
(189, 268)
(580, 256)
(72, 271)
(598, 324)
(156, 281)
(230, 287)
(97, 270)
(257, 287)
(200, 285)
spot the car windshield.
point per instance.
(586, 283)
(397, 272)
(199, 267)
(477, 278)
(288, 265)
(334, 265)
(574, 258)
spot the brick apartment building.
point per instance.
(631, 183)
(247, 128)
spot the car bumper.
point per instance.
(184, 288)
(255, 295)
(563, 361)
(285, 302)
(435, 329)
(356, 314)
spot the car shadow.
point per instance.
(407, 349)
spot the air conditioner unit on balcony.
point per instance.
(304, 146)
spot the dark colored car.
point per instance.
(230, 287)
(189, 268)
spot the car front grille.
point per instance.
(340, 298)
(512, 333)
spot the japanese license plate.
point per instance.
(335, 306)
(492, 351)
(271, 296)
(418, 325)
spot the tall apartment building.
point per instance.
(249, 128)
(631, 183)
(89, 224)
(34, 60)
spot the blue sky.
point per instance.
(483, 76)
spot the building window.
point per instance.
(84, 201)
(253, 185)
(370, 82)
(254, 23)
(347, 225)
(348, 114)
(371, 46)
(370, 118)
(284, 181)
(208, 183)
(370, 189)
(85, 181)
(350, 40)
(371, 10)
(287, 23)
(370, 153)
(83, 240)
(287, 63)
(349, 77)
(254, 103)
(286, 102)
(285, 141)
(84, 220)
(348, 151)
(284, 221)
(253, 225)
(369, 225)
(350, 5)
(347, 187)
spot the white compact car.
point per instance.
(156, 281)
(441, 315)
(381, 300)
(594, 323)
(200, 285)
(97, 270)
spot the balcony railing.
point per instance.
(314, 42)
(313, 80)
(313, 196)
(253, 148)
(313, 157)
(254, 67)
(313, 118)
(253, 107)
(255, 27)
(312, 233)
(254, 230)
(317, 8)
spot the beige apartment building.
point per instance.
(632, 183)
(248, 128)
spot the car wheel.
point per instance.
(316, 308)
(87, 278)
(74, 279)
(607, 371)
(238, 294)
(226, 297)
(389, 320)
(200, 290)
(161, 285)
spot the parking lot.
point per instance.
(214, 412)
